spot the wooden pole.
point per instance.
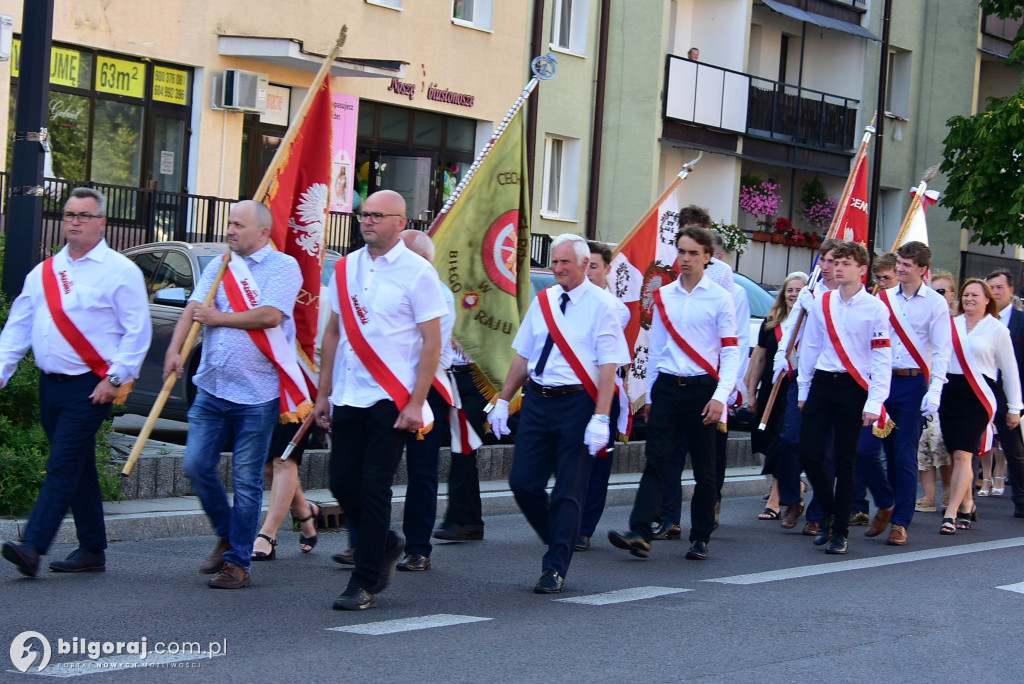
(915, 203)
(680, 177)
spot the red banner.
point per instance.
(854, 224)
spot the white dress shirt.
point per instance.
(805, 301)
(925, 318)
(1005, 314)
(704, 318)
(400, 289)
(107, 302)
(990, 350)
(862, 323)
(741, 305)
(445, 361)
(592, 316)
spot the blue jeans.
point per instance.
(210, 420)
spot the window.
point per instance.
(393, 4)
(897, 93)
(561, 178)
(569, 25)
(472, 13)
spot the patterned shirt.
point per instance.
(232, 367)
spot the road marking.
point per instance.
(623, 595)
(1019, 587)
(408, 624)
(77, 668)
(863, 563)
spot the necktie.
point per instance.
(549, 342)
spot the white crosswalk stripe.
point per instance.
(623, 595)
(408, 624)
(1019, 587)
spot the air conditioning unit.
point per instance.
(240, 91)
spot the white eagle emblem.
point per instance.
(308, 223)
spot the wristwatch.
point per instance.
(114, 380)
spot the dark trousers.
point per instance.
(1012, 445)
(70, 421)
(789, 466)
(365, 452)
(672, 501)
(892, 477)
(550, 440)
(421, 491)
(676, 407)
(464, 506)
(597, 485)
(835, 402)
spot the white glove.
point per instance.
(930, 403)
(780, 369)
(596, 436)
(498, 418)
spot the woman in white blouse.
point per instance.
(982, 343)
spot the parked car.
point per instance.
(171, 270)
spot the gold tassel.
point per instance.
(123, 391)
(423, 430)
(882, 433)
(298, 415)
(723, 428)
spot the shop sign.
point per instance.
(120, 77)
(170, 85)
(437, 95)
(402, 88)
(345, 115)
(64, 64)
(279, 100)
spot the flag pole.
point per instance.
(833, 230)
(680, 177)
(915, 204)
(543, 69)
(259, 195)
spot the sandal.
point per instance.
(316, 516)
(923, 506)
(986, 487)
(999, 491)
(768, 514)
(948, 526)
(260, 555)
(963, 521)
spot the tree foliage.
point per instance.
(983, 157)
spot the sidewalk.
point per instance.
(182, 516)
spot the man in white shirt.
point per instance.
(845, 370)
(1001, 282)
(691, 372)
(565, 414)
(90, 289)
(380, 352)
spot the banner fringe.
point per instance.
(882, 433)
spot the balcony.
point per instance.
(765, 112)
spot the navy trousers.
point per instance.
(70, 421)
(421, 491)
(550, 440)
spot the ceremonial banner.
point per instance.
(483, 255)
(298, 198)
(918, 228)
(854, 222)
(644, 261)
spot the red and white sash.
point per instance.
(57, 285)
(976, 380)
(464, 438)
(575, 354)
(908, 338)
(884, 425)
(243, 294)
(694, 355)
(392, 372)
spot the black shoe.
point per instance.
(837, 544)
(354, 599)
(632, 542)
(25, 557)
(1018, 511)
(346, 557)
(81, 560)
(457, 532)
(699, 551)
(667, 530)
(859, 518)
(582, 543)
(387, 566)
(824, 531)
(414, 562)
(550, 582)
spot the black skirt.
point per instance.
(962, 417)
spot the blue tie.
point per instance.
(550, 342)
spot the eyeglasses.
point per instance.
(82, 217)
(373, 217)
(941, 290)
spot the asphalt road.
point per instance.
(767, 606)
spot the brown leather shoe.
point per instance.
(880, 522)
(811, 528)
(897, 536)
(346, 557)
(215, 561)
(230, 577)
(414, 562)
(792, 515)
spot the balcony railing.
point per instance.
(729, 100)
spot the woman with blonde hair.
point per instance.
(758, 381)
(981, 349)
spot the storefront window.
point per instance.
(394, 124)
(68, 126)
(427, 129)
(117, 143)
(461, 134)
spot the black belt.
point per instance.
(61, 377)
(462, 367)
(690, 380)
(906, 372)
(554, 392)
(831, 374)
